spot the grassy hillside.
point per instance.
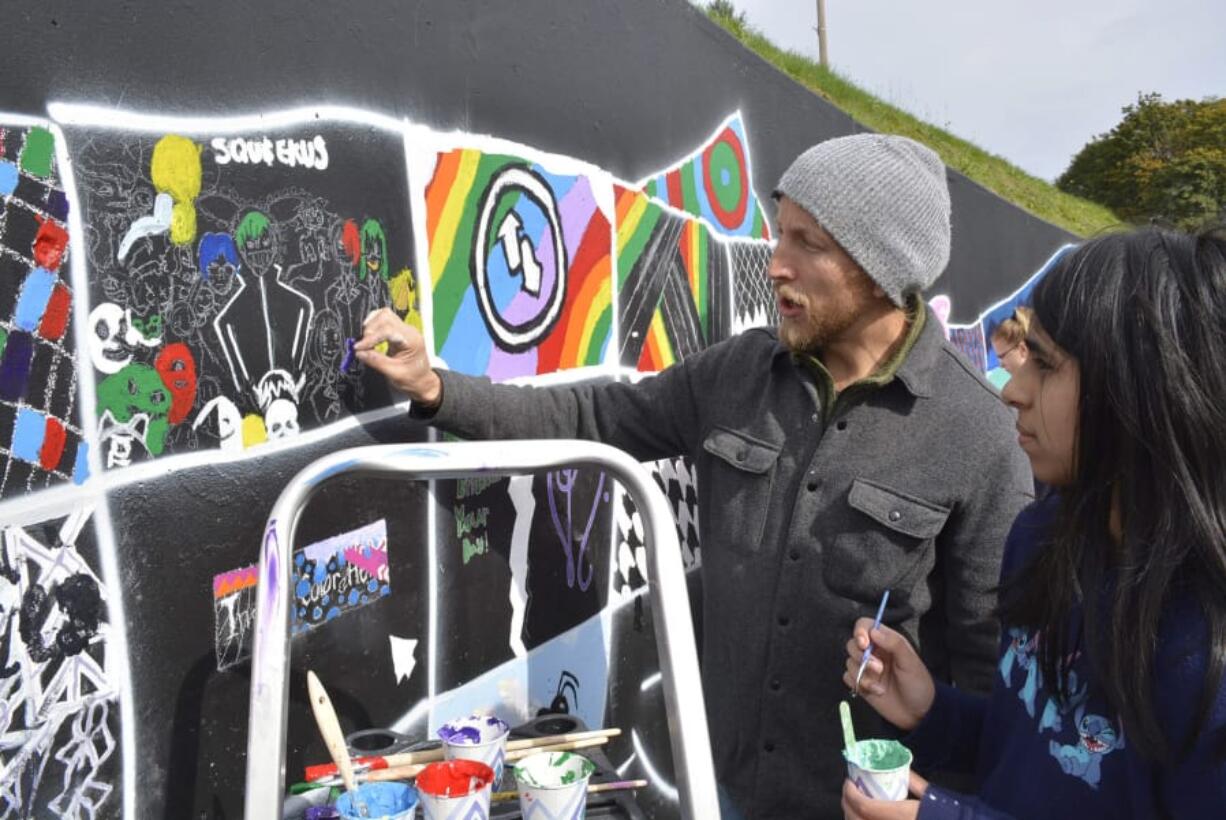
(1040, 198)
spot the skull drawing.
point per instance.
(281, 419)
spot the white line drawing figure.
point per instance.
(57, 722)
(278, 397)
(264, 326)
(229, 422)
(158, 223)
(115, 338)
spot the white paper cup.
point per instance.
(455, 790)
(480, 737)
(881, 769)
(383, 801)
(553, 785)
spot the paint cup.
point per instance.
(479, 737)
(553, 785)
(384, 801)
(455, 790)
(881, 769)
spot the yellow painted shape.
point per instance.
(183, 223)
(175, 170)
(403, 288)
(253, 430)
(628, 226)
(449, 222)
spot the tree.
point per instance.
(1163, 161)
(724, 10)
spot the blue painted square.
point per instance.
(8, 177)
(28, 434)
(32, 303)
(80, 470)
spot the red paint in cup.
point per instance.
(454, 778)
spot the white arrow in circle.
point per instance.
(519, 253)
(403, 661)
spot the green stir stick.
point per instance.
(849, 732)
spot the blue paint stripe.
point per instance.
(35, 293)
(80, 470)
(28, 434)
(8, 177)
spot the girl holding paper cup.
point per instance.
(1110, 699)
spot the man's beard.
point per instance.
(816, 327)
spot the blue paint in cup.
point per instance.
(384, 801)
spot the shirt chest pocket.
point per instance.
(889, 537)
(737, 490)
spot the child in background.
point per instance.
(1009, 340)
(1110, 700)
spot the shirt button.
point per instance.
(794, 555)
(784, 620)
(814, 418)
(812, 486)
(895, 515)
(842, 425)
(740, 454)
(776, 684)
(768, 746)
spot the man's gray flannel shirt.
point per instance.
(804, 521)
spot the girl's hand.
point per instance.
(895, 683)
(858, 807)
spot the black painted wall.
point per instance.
(629, 86)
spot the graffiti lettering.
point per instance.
(307, 153)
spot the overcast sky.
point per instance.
(1030, 81)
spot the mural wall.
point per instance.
(179, 284)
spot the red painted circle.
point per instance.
(733, 218)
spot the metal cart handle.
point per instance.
(687, 720)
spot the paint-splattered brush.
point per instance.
(334, 738)
(868, 651)
(405, 772)
(595, 788)
(365, 764)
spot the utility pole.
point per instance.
(821, 33)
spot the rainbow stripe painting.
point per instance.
(520, 266)
(672, 283)
(716, 184)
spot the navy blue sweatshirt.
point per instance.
(1037, 757)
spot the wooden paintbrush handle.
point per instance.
(330, 729)
(407, 772)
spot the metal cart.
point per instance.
(687, 722)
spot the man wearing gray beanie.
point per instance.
(848, 452)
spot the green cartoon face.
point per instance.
(138, 389)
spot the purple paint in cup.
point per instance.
(478, 737)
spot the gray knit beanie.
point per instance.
(884, 199)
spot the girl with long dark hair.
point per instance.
(1110, 699)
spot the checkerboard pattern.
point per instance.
(40, 432)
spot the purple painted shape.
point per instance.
(15, 366)
(504, 365)
(57, 205)
(272, 564)
(566, 487)
(350, 357)
(575, 210)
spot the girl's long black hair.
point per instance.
(1144, 315)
